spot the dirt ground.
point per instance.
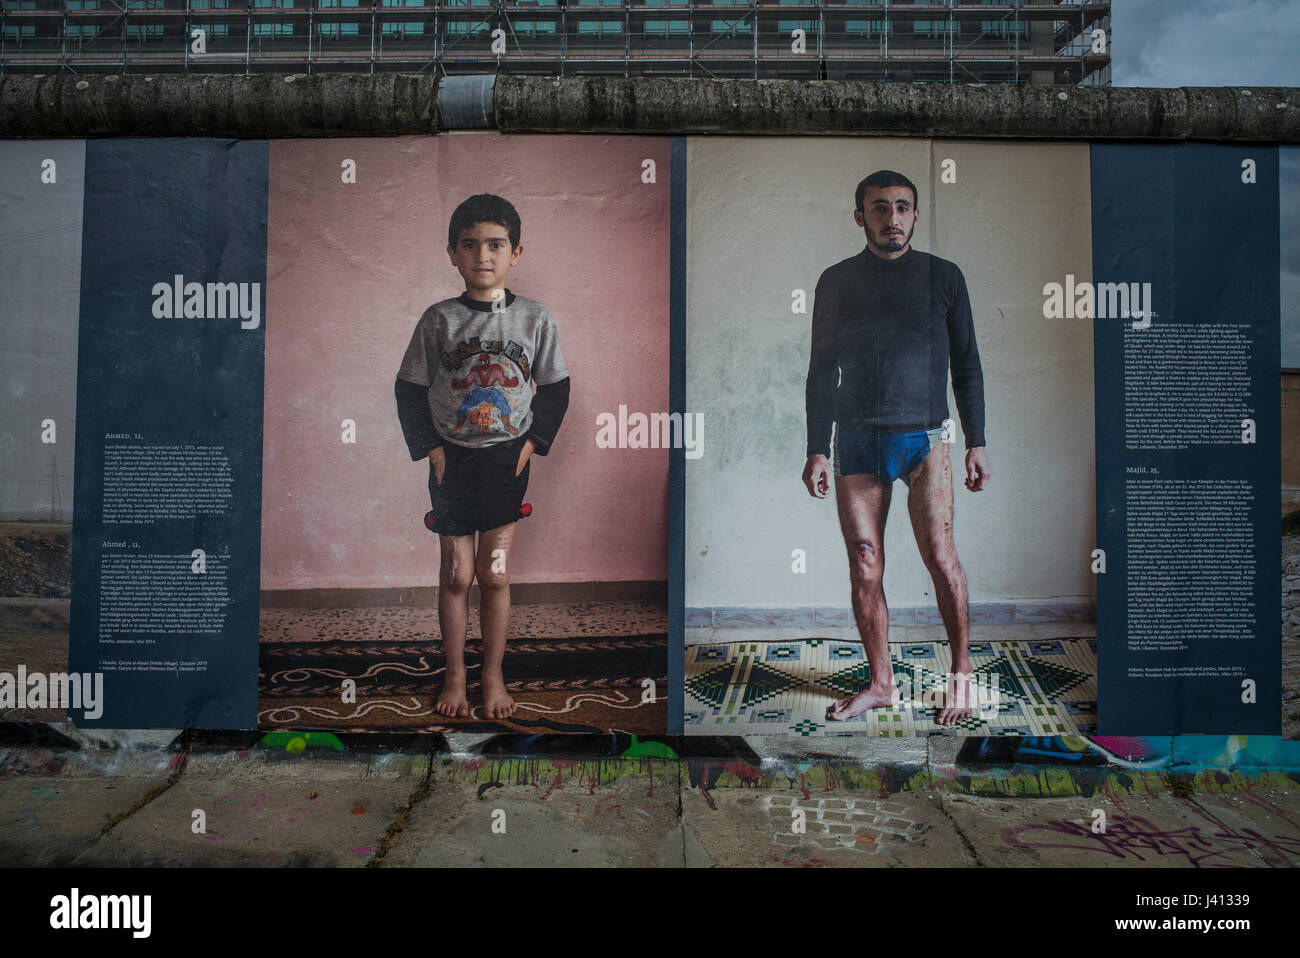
(36, 559)
(35, 583)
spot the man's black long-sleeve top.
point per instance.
(884, 334)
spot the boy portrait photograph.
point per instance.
(446, 546)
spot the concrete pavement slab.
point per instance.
(1267, 822)
(1138, 830)
(739, 827)
(54, 803)
(267, 810)
(46, 820)
(522, 812)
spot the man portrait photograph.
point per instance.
(865, 332)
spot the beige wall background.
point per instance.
(765, 217)
(351, 267)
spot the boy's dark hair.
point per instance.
(881, 179)
(484, 208)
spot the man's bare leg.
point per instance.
(930, 506)
(492, 567)
(455, 577)
(863, 506)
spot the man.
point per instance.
(887, 323)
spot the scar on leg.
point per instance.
(865, 549)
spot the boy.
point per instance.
(466, 402)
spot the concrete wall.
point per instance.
(40, 280)
(766, 216)
(1290, 441)
(352, 267)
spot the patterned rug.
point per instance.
(587, 683)
(1042, 687)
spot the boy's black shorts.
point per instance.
(479, 489)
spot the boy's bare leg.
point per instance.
(929, 503)
(455, 577)
(492, 567)
(863, 505)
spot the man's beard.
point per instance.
(891, 244)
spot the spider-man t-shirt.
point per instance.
(480, 362)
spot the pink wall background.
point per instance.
(350, 269)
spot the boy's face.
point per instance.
(483, 257)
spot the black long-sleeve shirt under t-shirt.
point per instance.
(884, 333)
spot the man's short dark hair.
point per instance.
(881, 179)
(484, 208)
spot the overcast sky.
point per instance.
(1222, 43)
(1205, 42)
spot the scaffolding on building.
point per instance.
(1016, 41)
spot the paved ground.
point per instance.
(1291, 636)
(260, 807)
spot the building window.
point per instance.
(276, 4)
(402, 31)
(535, 28)
(337, 31)
(145, 4)
(600, 3)
(20, 5)
(934, 28)
(1004, 27)
(14, 31)
(82, 5)
(866, 28)
(732, 27)
(145, 31)
(209, 4)
(338, 3)
(787, 27)
(274, 29)
(667, 28)
(466, 28)
(600, 28)
(82, 31)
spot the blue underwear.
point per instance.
(888, 455)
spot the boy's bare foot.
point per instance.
(497, 703)
(956, 701)
(873, 697)
(451, 700)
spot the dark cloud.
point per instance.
(1170, 43)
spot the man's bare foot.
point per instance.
(956, 700)
(451, 700)
(497, 703)
(873, 697)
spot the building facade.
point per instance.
(1014, 41)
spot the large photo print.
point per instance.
(446, 544)
(891, 536)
